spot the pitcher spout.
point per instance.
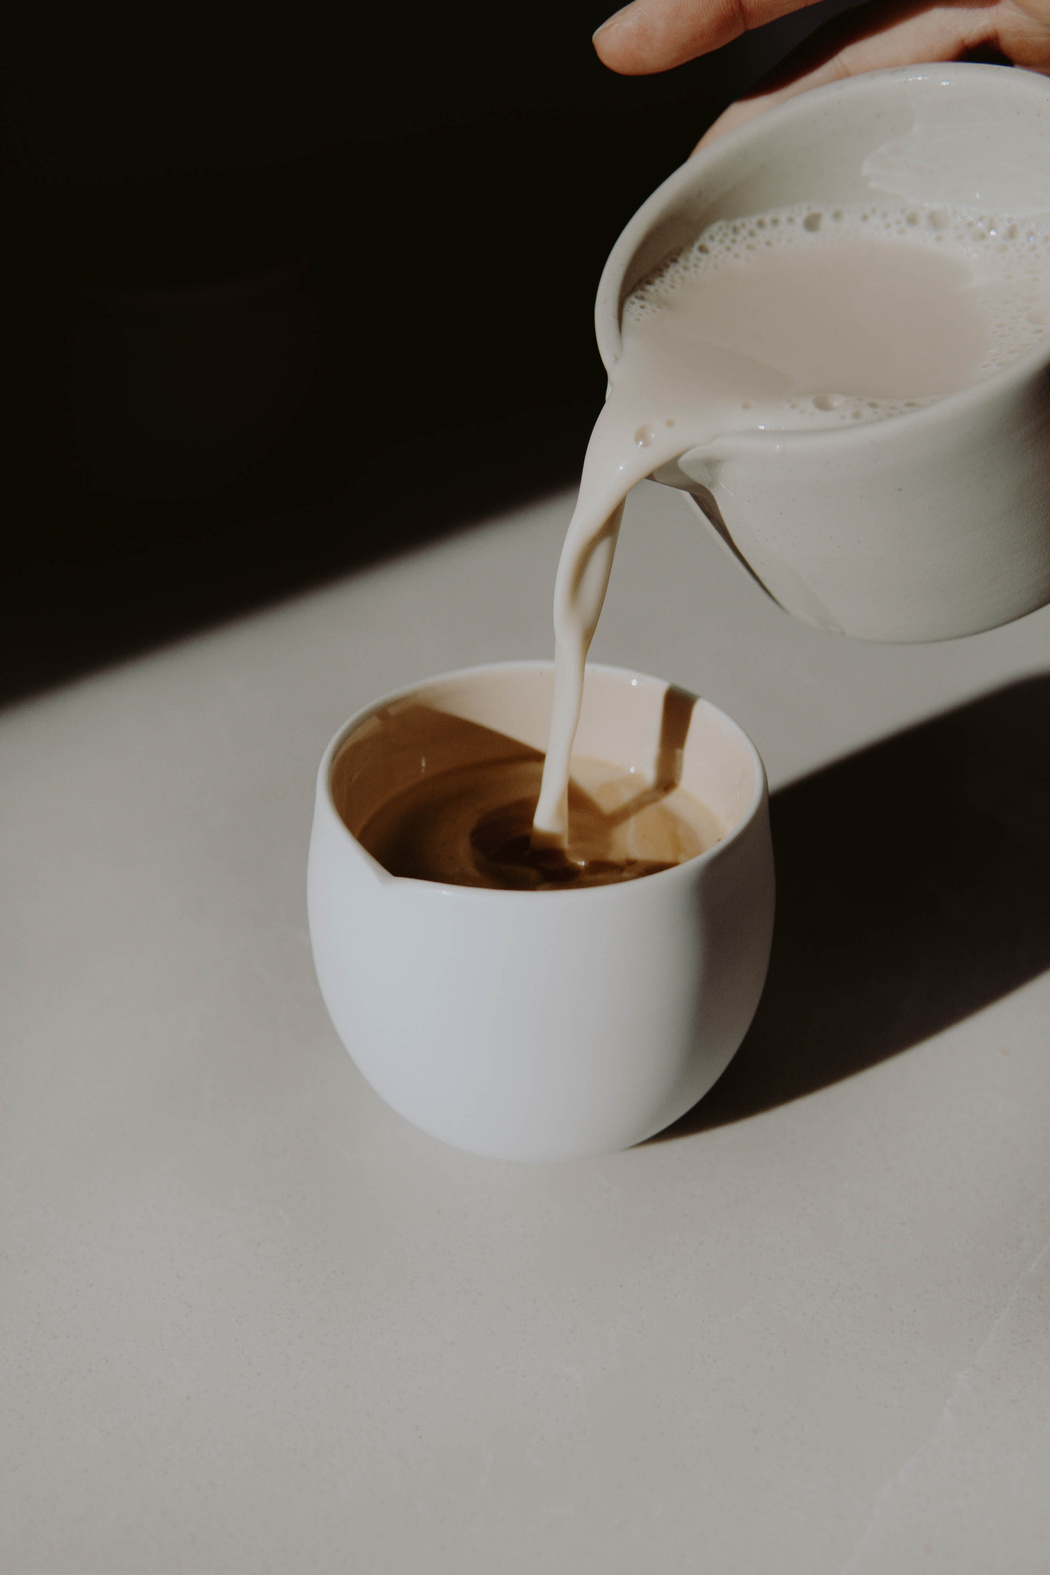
(698, 468)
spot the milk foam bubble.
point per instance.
(1007, 263)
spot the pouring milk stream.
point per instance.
(830, 327)
(807, 318)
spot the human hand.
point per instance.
(654, 35)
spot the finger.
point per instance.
(874, 38)
(654, 35)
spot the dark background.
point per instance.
(288, 291)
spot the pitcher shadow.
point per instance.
(913, 889)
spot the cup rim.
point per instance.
(607, 310)
(759, 791)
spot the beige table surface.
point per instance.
(252, 1322)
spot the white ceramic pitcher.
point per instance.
(926, 525)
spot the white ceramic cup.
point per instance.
(930, 524)
(542, 1025)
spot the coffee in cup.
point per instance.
(553, 1023)
(469, 822)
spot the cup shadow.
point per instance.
(913, 889)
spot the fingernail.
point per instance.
(613, 21)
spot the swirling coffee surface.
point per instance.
(472, 825)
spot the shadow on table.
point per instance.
(115, 584)
(913, 889)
